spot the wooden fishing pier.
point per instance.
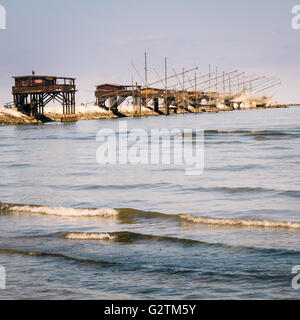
(32, 93)
(204, 92)
(111, 96)
(173, 92)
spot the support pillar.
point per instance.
(167, 106)
(111, 102)
(137, 106)
(156, 105)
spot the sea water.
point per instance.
(71, 228)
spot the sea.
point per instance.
(72, 228)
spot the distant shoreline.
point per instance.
(14, 117)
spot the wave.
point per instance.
(239, 131)
(127, 215)
(58, 211)
(90, 236)
(244, 190)
(213, 132)
(121, 187)
(129, 238)
(291, 193)
(232, 190)
(54, 255)
(263, 134)
(125, 237)
(237, 167)
(242, 222)
(261, 138)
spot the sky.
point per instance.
(96, 41)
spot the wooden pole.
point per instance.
(166, 74)
(183, 79)
(209, 84)
(139, 101)
(166, 87)
(146, 78)
(217, 83)
(133, 98)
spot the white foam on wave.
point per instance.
(64, 212)
(90, 236)
(242, 222)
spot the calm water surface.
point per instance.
(73, 229)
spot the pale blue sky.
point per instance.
(95, 41)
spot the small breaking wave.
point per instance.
(128, 215)
(58, 211)
(131, 238)
(124, 237)
(241, 222)
(91, 236)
